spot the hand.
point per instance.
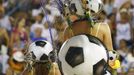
(114, 63)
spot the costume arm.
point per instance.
(107, 38)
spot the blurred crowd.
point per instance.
(24, 21)
(119, 14)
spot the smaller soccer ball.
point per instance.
(40, 50)
(113, 55)
(94, 5)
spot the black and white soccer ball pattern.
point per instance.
(83, 55)
(40, 50)
(94, 6)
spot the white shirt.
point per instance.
(54, 10)
(108, 8)
(4, 58)
(46, 34)
(5, 23)
(128, 63)
(123, 31)
(49, 18)
(36, 25)
(36, 12)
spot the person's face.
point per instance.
(22, 23)
(80, 27)
(124, 16)
(38, 18)
(38, 32)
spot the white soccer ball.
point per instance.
(94, 5)
(40, 50)
(83, 55)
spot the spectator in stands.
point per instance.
(48, 18)
(123, 28)
(123, 5)
(108, 6)
(38, 20)
(126, 57)
(4, 59)
(123, 49)
(4, 20)
(19, 35)
(38, 31)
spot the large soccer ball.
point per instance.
(40, 50)
(83, 55)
